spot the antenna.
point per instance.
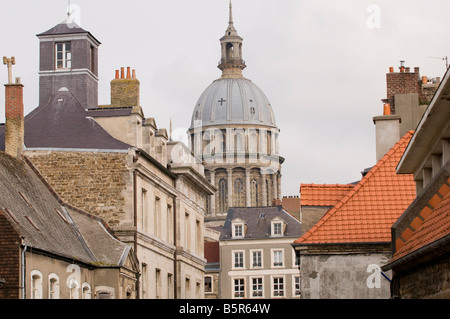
(444, 59)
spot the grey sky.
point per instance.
(321, 63)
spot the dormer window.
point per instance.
(238, 228)
(63, 55)
(277, 227)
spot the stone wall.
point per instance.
(430, 281)
(344, 276)
(99, 183)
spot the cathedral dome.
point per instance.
(233, 101)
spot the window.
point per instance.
(208, 284)
(63, 56)
(277, 258)
(144, 205)
(254, 192)
(36, 284)
(169, 231)
(85, 291)
(239, 193)
(158, 283)
(53, 286)
(257, 287)
(256, 259)
(239, 288)
(296, 286)
(187, 231)
(278, 287)
(223, 196)
(238, 231)
(73, 289)
(157, 221)
(144, 280)
(238, 259)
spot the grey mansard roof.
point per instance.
(65, 28)
(233, 101)
(258, 221)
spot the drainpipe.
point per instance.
(23, 268)
(135, 231)
(175, 277)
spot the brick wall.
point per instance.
(14, 127)
(9, 260)
(99, 183)
(401, 83)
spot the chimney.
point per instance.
(125, 90)
(14, 126)
(387, 129)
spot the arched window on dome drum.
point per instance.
(254, 193)
(252, 142)
(239, 193)
(223, 196)
(269, 194)
(238, 142)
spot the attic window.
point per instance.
(238, 229)
(277, 228)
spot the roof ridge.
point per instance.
(352, 192)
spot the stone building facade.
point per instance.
(233, 131)
(119, 165)
(256, 256)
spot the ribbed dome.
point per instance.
(232, 101)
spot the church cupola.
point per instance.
(69, 58)
(231, 62)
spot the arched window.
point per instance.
(238, 142)
(223, 195)
(73, 289)
(269, 195)
(238, 192)
(36, 284)
(53, 286)
(252, 143)
(254, 193)
(86, 291)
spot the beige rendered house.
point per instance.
(256, 256)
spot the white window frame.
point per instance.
(274, 225)
(251, 287)
(234, 291)
(252, 265)
(276, 250)
(294, 284)
(66, 60)
(233, 256)
(235, 226)
(53, 289)
(272, 288)
(36, 284)
(86, 291)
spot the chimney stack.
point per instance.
(14, 126)
(125, 90)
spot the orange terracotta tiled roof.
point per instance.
(323, 194)
(433, 224)
(367, 212)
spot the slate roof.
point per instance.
(45, 224)
(323, 194)
(63, 123)
(66, 27)
(368, 211)
(258, 221)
